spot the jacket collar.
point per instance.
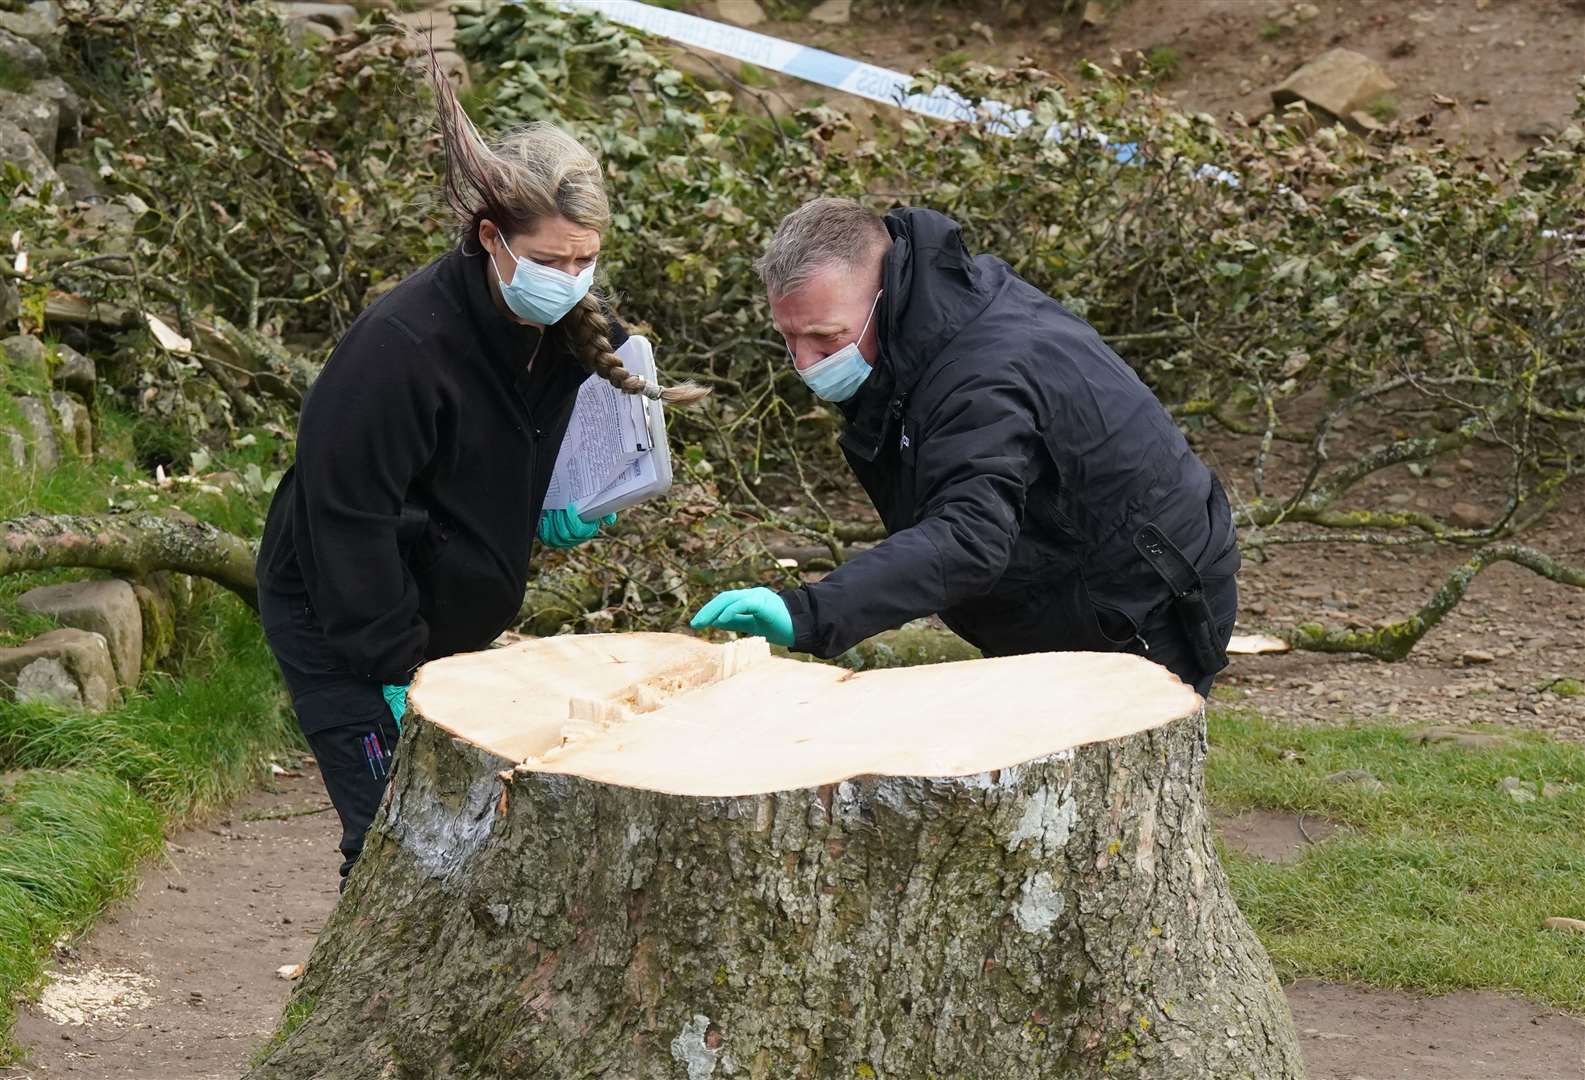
(465, 281)
(933, 289)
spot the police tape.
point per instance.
(784, 57)
(841, 73)
(855, 77)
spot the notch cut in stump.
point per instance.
(642, 856)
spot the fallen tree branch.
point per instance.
(135, 544)
(1395, 640)
(251, 356)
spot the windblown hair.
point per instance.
(530, 174)
(820, 233)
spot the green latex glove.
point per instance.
(748, 611)
(564, 528)
(396, 701)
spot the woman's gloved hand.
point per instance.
(564, 528)
(396, 701)
(748, 611)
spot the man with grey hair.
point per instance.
(1036, 494)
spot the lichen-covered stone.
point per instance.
(38, 116)
(82, 186)
(160, 596)
(22, 55)
(43, 444)
(18, 147)
(32, 24)
(68, 108)
(74, 372)
(63, 667)
(76, 425)
(107, 607)
(28, 357)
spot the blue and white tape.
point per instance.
(852, 76)
(785, 57)
(838, 72)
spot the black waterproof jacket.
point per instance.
(424, 450)
(1012, 457)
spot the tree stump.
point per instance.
(647, 856)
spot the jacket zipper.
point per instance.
(896, 408)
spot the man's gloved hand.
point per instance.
(396, 701)
(564, 528)
(748, 611)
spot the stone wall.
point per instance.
(110, 631)
(48, 390)
(432, 18)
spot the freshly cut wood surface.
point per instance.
(1256, 645)
(677, 714)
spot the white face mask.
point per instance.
(839, 376)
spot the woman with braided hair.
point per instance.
(403, 530)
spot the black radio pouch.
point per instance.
(1188, 596)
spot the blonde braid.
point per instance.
(591, 330)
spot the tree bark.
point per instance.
(1063, 917)
(135, 544)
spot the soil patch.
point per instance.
(1279, 838)
(1353, 1034)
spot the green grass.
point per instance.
(187, 739)
(1566, 688)
(1440, 882)
(91, 793)
(96, 790)
(1163, 61)
(953, 61)
(751, 75)
(1271, 30)
(69, 842)
(13, 76)
(298, 1008)
(1383, 109)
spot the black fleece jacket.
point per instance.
(424, 450)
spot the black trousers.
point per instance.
(344, 716)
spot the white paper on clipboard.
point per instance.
(614, 454)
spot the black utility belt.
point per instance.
(1188, 602)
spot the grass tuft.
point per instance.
(94, 791)
(1438, 882)
(69, 843)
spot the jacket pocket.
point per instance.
(1053, 614)
(421, 539)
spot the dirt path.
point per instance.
(179, 982)
(1351, 1034)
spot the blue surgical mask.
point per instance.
(839, 376)
(542, 294)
